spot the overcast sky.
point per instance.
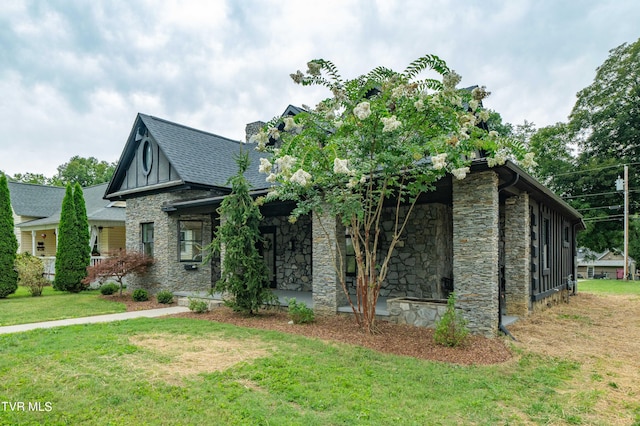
(73, 74)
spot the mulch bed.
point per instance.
(404, 340)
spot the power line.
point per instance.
(594, 169)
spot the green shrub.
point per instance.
(109, 288)
(30, 273)
(165, 296)
(8, 242)
(140, 295)
(452, 329)
(198, 306)
(299, 313)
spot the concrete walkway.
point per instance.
(149, 313)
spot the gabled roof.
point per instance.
(35, 200)
(200, 159)
(97, 208)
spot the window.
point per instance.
(350, 257)
(190, 234)
(546, 237)
(147, 157)
(147, 238)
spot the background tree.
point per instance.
(244, 273)
(118, 267)
(383, 137)
(8, 242)
(85, 171)
(82, 231)
(34, 178)
(70, 266)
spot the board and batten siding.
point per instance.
(552, 256)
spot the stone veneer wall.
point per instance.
(293, 268)
(475, 250)
(517, 255)
(327, 233)
(168, 273)
(424, 255)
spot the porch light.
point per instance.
(43, 235)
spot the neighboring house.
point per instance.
(608, 264)
(501, 240)
(36, 214)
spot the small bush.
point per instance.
(140, 295)
(198, 306)
(165, 296)
(109, 288)
(30, 273)
(299, 313)
(451, 330)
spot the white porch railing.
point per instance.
(50, 265)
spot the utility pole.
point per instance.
(626, 222)
(623, 185)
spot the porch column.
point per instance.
(475, 250)
(517, 271)
(33, 243)
(326, 233)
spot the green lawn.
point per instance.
(21, 308)
(609, 286)
(101, 374)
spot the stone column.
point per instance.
(475, 250)
(327, 233)
(517, 255)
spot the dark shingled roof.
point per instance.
(201, 157)
(35, 200)
(97, 207)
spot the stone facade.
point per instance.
(293, 268)
(517, 252)
(424, 255)
(168, 273)
(327, 234)
(475, 250)
(417, 312)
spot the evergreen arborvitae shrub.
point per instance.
(8, 242)
(452, 329)
(244, 272)
(83, 235)
(70, 267)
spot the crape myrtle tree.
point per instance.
(385, 136)
(244, 274)
(8, 242)
(70, 265)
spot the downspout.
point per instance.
(501, 327)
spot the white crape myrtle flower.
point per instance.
(271, 178)
(301, 178)
(484, 115)
(289, 124)
(498, 160)
(473, 104)
(493, 134)
(341, 166)
(528, 160)
(419, 105)
(352, 182)
(451, 80)
(265, 166)
(285, 163)
(390, 123)
(362, 110)
(261, 139)
(439, 161)
(460, 173)
(274, 133)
